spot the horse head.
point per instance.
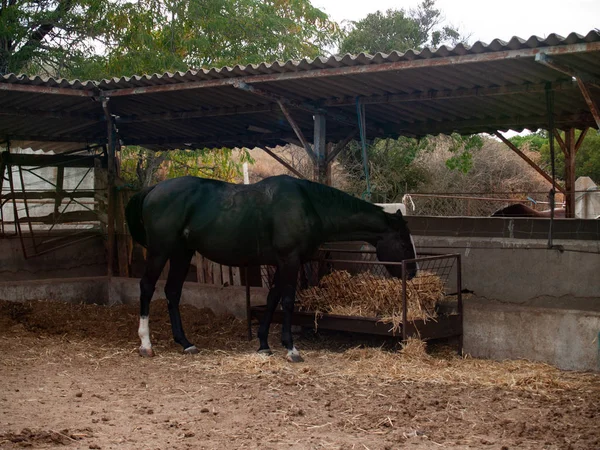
(396, 246)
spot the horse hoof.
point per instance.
(295, 358)
(191, 350)
(146, 352)
(265, 352)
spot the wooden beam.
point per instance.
(361, 69)
(283, 162)
(527, 160)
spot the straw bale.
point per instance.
(370, 295)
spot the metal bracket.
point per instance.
(583, 81)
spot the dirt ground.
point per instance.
(70, 377)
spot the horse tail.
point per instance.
(133, 215)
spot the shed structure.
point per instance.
(551, 83)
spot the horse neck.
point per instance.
(366, 226)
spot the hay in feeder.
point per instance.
(370, 295)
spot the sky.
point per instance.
(485, 20)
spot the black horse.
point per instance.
(280, 221)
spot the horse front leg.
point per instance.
(265, 324)
(180, 264)
(154, 267)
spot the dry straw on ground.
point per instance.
(370, 295)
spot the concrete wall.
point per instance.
(83, 259)
(230, 299)
(560, 336)
(522, 270)
(101, 290)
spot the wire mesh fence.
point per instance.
(473, 205)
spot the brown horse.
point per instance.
(521, 210)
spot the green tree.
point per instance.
(399, 30)
(154, 36)
(587, 160)
(141, 167)
(94, 39)
(43, 37)
(391, 169)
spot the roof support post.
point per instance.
(322, 165)
(111, 139)
(570, 173)
(526, 159)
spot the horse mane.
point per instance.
(333, 204)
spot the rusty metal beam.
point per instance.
(545, 59)
(580, 139)
(582, 80)
(560, 141)
(243, 140)
(196, 114)
(433, 95)
(341, 146)
(527, 159)
(303, 106)
(492, 124)
(34, 113)
(362, 69)
(590, 101)
(72, 92)
(283, 162)
(297, 131)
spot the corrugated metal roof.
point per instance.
(468, 89)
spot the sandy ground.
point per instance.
(70, 377)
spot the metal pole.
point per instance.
(404, 302)
(320, 147)
(110, 188)
(460, 302)
(550, 112)
(248, 312)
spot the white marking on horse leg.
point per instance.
(144, 333)
(293, 355)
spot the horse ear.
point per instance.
(398, 213)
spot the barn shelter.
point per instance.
(321, 105)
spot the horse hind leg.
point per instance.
(288, 294)
(265, 324)
(154, 266)
(179, 266)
